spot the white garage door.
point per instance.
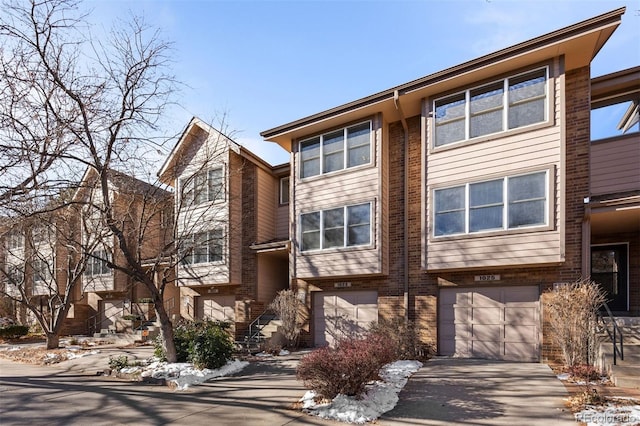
(342, 314)
(217, 308)
(492, 322)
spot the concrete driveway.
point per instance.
(445, 391)
(451, 391)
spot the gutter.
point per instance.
(405, 215)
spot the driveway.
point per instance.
(445, 391)
(453, 391)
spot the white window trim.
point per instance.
(282, 192)
(224, 237)
(505, 203)
(345, 151)
(189, 201)
(88, 271)
(505, 108)
(345, 229)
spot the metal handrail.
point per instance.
(256, 323)
(613, 337)
(95, 323)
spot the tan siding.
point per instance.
(282, 222)
(615, 165)
(537, 149)
(343, 188)
(267, 193)
(273, 276)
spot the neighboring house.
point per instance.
(36, 266)
(141, 209)
(455, 200)
(612, 215)
(232, 226)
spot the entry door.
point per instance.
(609, 269)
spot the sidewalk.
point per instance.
(445, 391)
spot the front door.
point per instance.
(609, 269)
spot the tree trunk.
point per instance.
(53, 340)
(166, 329)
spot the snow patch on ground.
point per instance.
(184, 374)
(380, 396)
(613, 414)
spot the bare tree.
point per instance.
(93, 104)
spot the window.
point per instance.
(514, 102)
(41, 271)
(337, 150)
(284, 190)
(40, 233)
(340, 227)
(203, 247)
(204, 186)
(15, 240)
(481, 206)
(97, 263)
(15, 276)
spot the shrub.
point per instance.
(404, 339)
(119, 362)
(205, 344)
(14, 331)
(572, 311)
(347, 368)
(584, 372)
(287, 306)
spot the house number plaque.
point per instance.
(342, 284)
(485, 278)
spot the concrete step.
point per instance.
(626, 375)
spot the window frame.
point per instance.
(15, 240)
(96, 265)
(345, 150)
(346, 227)
(193, 186)
(186, 260)
(506, 204)
(282, 201)
(41, 271)
(505, 107)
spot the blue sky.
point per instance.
(260, 64)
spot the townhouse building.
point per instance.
(457, 199)
(144, 212)
(232, 227)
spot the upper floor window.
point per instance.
(16, 240)
(41, 271)
(203, 247)
(510, 103)
(204, 186)
(284, 190)
(15, 275)
(336, 150)
(506, 203)
(41, 234)
(340, 227)
(97, 264)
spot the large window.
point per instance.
(204, 186)
(97, 263)
(339, 227)
(203, 247)
(16, 240)
(514, 102)
(506, 203)
(41, 271)
(337, 150)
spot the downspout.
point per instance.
(405, 214)
(586, 239)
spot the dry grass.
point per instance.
(36, 355)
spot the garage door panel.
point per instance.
(520, 352)
(482, 349)
(487, 332)
(521, 315)
(343, 314)
(490, 322)
(487, 315)
(520, 333)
